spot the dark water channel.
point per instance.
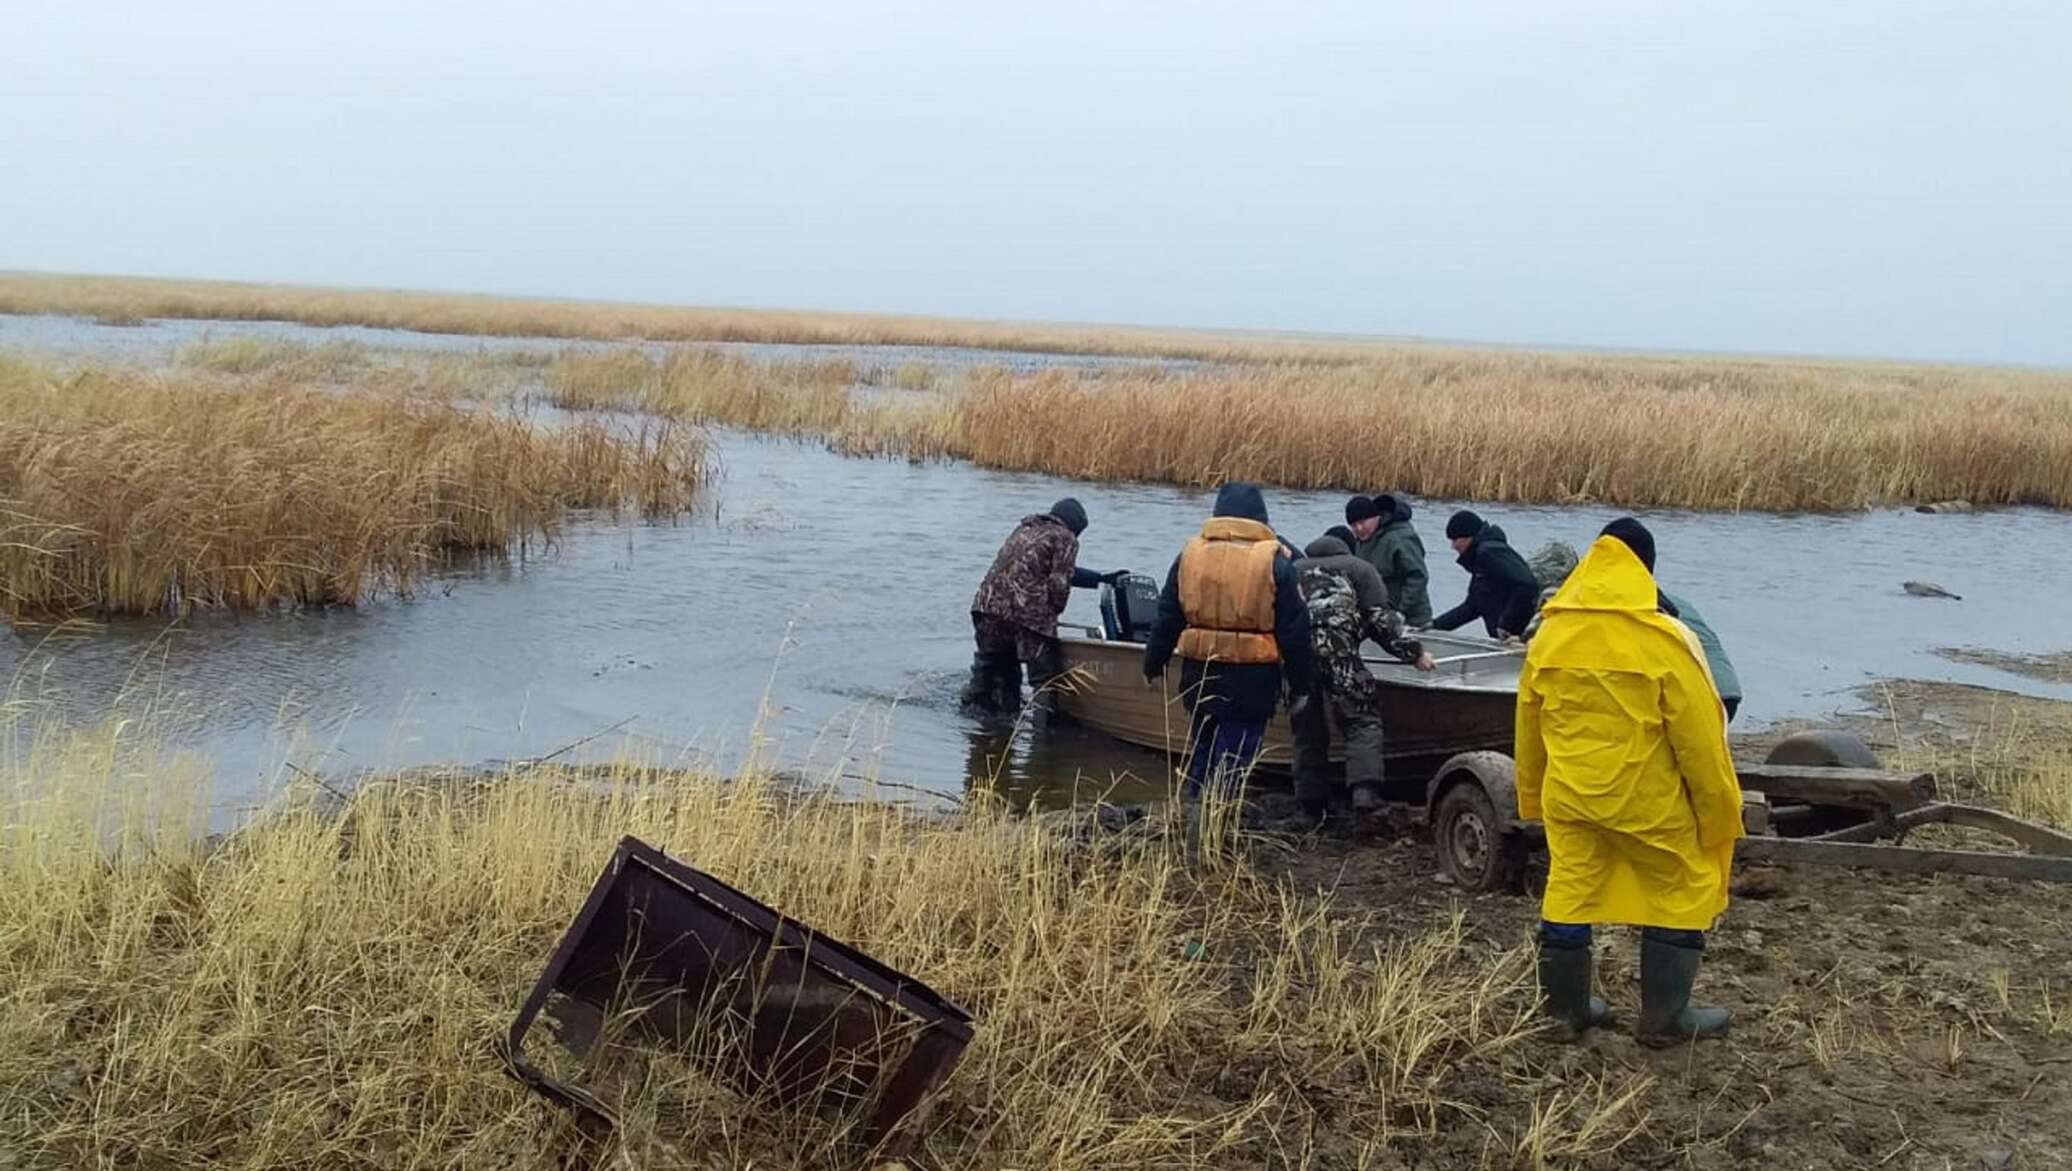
(815, 608)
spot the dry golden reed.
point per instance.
(132, 300)
(703, 385)
(319, 989)
(127, 493)
(1535, 429)
(1474, 425)
(1449, 422)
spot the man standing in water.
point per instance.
(1014, 615)
(1347, 605)
(1233, 611)
(1622, 756)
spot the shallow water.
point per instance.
(159, 340)
(816, 606)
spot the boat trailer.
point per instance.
(1861, 818)
(1820, 798)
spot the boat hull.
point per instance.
(1467, 705)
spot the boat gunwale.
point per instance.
(1391, 672)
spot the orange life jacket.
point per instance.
(1226, 591)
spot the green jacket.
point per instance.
(1723, 674)
(1397, 552)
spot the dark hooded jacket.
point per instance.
(1239, 692)
(1032, 575)
(1399, 553)
(1501, 587)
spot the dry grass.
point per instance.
(319, 989)
(1480, 426)
(1521, 428)
(130, 300)
(250, 355)
(2024, 770)
(702, 385)
(1483, 424)
(122, 492)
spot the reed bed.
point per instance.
(1465, 425)
(132, 300)
(318, 989)
(1450, 422)
(1507, 430)
(702, 385)
(123, 492)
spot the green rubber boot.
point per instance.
(1667, 1016)
(1565, 989)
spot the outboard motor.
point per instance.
(1128, 610)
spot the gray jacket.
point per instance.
(1723, 673)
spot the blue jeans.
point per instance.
(1573, 935)
(1222, 751)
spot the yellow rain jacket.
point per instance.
(1622, 754)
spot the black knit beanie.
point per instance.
(1463, 524)
(1360, 508)
(1637, 538)
(1072, 513)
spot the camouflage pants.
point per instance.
(1358, 717)
(1002, 649)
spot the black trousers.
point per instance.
(1002, 652)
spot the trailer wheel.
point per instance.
(1826, 748)
(1474, 849)
(1823, 748)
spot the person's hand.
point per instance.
(1425, 663)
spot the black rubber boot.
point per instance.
(1667, 1016)
(1312, 733)
(995, 687)
(1565, 989)
(1044, 680)
(982, 692)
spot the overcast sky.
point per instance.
(1841, 177)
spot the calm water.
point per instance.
(160, 339)
(816, 607)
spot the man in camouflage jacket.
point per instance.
(1348, 604)
(1014, 615)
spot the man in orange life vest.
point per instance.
(1233, 610)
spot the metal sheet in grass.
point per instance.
(663, 954)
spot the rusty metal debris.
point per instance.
(666, 955)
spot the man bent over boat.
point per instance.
(1622, 755)
(1014, 615)
(1232, 610)
(1348, 604)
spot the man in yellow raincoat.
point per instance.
(1622, 755)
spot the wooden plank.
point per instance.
(1904, 859)
(1857, 788)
